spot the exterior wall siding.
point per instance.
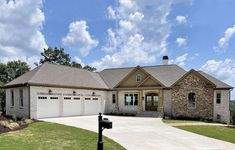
(17, 110)
(36, 90)
(222, 108)
(204, 98)
(167, 102)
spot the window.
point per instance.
(42, 97)
(218, 98)
(12, 98)
(138, 77)
(191, 100)
(131, 99)
(114, 98)
(218, 117)
(87, 98)
(21, 98)
(76, 98)
(95, 99)
(67, 98)
(54, 97)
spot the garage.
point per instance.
(62, 106)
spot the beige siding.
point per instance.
(18, 110)
(222, 109)
(131, 80)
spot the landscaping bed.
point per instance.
(8, 123)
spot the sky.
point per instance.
(197, 34)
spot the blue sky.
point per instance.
(197, 34)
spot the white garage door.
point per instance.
(92, 105)
(61, 106)
(72, 106)
(47, 107)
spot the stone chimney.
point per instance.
(165, 60)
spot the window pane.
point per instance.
(191, 100)
(148, 100)
(114, 98)
(155, 100)
(135, 99)
(131, 95)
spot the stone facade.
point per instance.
(204, 98)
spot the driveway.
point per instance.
(138, 133)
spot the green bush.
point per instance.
(14, 118)
(232, 114)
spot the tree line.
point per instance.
(14, 69)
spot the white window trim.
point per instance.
(133, 105)
(138, 75)
(218, 92)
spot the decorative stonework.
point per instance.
(204, 98)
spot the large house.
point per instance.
(55, 91)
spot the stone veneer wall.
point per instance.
(204, 98)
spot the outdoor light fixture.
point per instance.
(93, 93)
(49, 91)
(74, 92)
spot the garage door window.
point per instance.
(76, 98)
(88, 99)
(67, 98)
(54, 98)
(42, 97)
(95, 99)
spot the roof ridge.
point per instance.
(140, 66)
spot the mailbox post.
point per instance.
(102, 124)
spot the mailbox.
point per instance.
(105, 123)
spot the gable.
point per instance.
(192, 79)
(149, 82)
(146, 80)
(130, 80)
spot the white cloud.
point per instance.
(181, 41)
(181, 19)
(140, 35)
(20, 28)
(223, 42)
(180, 60)
(78, 60)
(223, 70)
(79, 38)
(29, 60)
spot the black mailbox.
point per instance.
(105, 123)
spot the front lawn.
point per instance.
(218, 132)
(44, 135)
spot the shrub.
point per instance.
(14, 118)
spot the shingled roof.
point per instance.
(63, 76)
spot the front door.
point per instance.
(151, 102)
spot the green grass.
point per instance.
(44, 135)
(218, 132)
(171, 121)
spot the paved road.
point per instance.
(139, 133)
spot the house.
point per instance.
(52, 90)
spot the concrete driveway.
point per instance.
(139, 133)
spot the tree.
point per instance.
(55, 55)
(58, 56)
(75, 64)
(89, 68)
(9, 72)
